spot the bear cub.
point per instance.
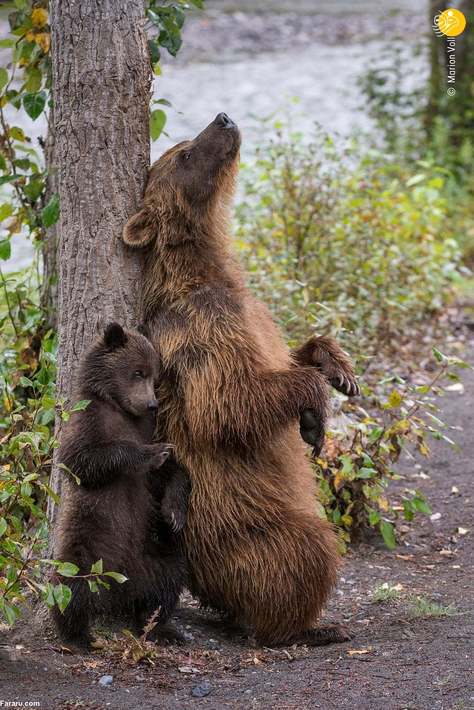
(131, 504)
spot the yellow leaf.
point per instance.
(30, 37)
(423, 449)
(43, 40)
(383, 503)
(346, 520)
(39, 17)
(338, 481)
(395, 399)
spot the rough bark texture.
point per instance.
(101, 92)
(49, 284)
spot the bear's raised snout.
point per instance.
(223, 121)
(153, 404)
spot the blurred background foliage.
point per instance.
(369, 239)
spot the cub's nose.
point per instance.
(223, 120)
(152, 404)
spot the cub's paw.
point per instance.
(173, 513)
(158, 454)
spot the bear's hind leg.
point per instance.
(73, 625)
(322, 635)
(160, 596)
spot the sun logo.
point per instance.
(449, 23)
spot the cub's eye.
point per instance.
(139, 374)
(186, 155)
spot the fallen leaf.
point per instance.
(463, 531)
(447, 553)
(456, 387)
(188, 669)
(454, 490)
(359, 651)
(404, 557)
(435, 516)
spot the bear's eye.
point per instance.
(186, 155)
(139, 374)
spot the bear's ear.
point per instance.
(114, 336)
(140, 229)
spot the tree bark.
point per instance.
(101, 92)
(49, 282)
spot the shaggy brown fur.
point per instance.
(230, 398)
(113, 514)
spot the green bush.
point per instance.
(358, 247)
(342, 243)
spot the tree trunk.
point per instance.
(101, 93)
(455, 111)
(49, 282)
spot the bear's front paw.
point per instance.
(312, 430)
(345, 382)
(327, 356)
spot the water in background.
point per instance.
(249, 58)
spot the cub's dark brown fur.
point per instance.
(230, 397)
(126, 511)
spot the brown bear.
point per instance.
(229, 397)
(125, 511)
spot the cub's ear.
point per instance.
(140, 229)
(144, 329)
(114, 336)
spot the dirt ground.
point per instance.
(399, 658)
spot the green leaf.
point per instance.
(120, 578)
(62, 596)
(50, 213)
(374, 517)
(79, 406)
(3, 77)
(97, 567)
(26, 382)
(163, 102)
(438, 355)
(366, 472)
(5, 249)
(33, 79)
(34, 104)
(11, 613)
(154, 50)
(48, 595)
(415, 179)
(421, 505)
(17, 133)
(34, 188)
(7, 43)
(7, 178)
(388, 534)
(67, 569)
(93, 586)
(3, 526)
(157, 123)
